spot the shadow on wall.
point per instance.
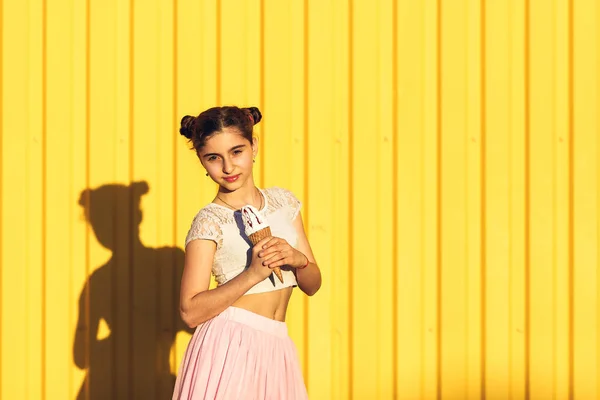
(135, 295)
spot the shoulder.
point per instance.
(206, 225)
(279, 197)
(204, 214)
(212, 213)
(279, 191)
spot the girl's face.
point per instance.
(227, 157)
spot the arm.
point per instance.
(309, 278)
(83, 333)
(277, 252)
(197, 303)
(79, 345)
(180, 325)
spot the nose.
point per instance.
(227, 166)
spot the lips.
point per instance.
(232, 178)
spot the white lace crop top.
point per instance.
(225, 227)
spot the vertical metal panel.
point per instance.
(413, 332)
(497, 213)
(585, 200)
(517, 32)
(386, 188)
(363, 213)
(59, 203)
(319, 198)
(22, 339)
(283, 49)
(341, 176)
(446, 154)
(452, 200)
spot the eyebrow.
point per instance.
(239, 146)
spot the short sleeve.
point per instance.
(292, 201)
(205, 227)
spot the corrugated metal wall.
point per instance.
(446, 152)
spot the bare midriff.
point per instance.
(269, 304)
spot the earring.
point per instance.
(254, 160)
(207, 174)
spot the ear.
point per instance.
(254, 146)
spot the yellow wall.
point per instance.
(446, 152)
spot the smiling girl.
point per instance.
(240, 348)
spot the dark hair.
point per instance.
(199, 129)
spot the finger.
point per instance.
(271, 242)
(285, 259)
(258, 246)
(276, 241)
(263, 242)
(273, 249)
(274, 258)
(270, 258)
(280, 263)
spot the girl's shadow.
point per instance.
(133, 298)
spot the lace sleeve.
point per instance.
(205, 227)
(289, 199)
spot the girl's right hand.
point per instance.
(256, 268)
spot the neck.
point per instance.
(247, 194)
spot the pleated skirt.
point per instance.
(240, 355)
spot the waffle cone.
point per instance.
(257, 237)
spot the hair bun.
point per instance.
(255, 113)
(140, 188)
(186, 126)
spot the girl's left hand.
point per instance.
(277, 252)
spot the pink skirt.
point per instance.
(240, 355)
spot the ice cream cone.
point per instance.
(257, 237)
(257, 229)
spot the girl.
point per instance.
(240, 348)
